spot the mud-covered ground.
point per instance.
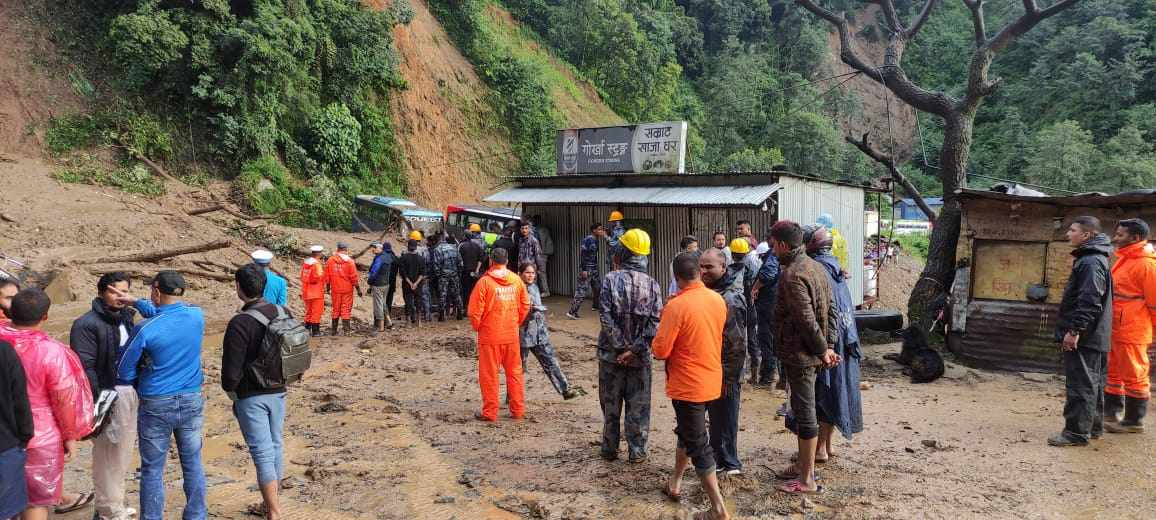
(383, 428)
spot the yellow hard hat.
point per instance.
(415, 235)
(740, 246)
(615, 216)
(637, 241)
(475, 228)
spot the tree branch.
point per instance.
(910, 33)
(977, 21)
(892, 16)
(978, 84)
(889, 162)
(891, 75)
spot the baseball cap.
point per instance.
(375, 244)
(170, 283)
(342, 245)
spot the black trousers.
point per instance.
(691, 429)
(1086, 374)
(724, 427)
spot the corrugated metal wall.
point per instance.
(569, 224)
(803, 200)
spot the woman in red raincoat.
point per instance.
(61, 402)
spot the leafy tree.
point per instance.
(1062, 152)
(336, 140)
(1129, 162)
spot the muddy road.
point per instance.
(383, 428)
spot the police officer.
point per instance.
(631, 304)
(447, 263)
(589, 282)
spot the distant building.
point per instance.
(908, 210)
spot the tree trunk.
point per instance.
(930, 292)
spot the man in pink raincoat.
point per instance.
(60, 396)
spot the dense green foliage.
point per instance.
(1076, 108)
(736, 70)
(304, 83)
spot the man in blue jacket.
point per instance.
(163, 362)
(276, 288)
(381, 281)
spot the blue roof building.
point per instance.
(906, 209)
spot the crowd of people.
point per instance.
(125, 385)
(773, 312)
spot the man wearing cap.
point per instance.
(631, 306)
(276, 288)
(313, 289)
(341, 274)
(169, 389)
(381, 278)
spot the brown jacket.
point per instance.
(806, 321)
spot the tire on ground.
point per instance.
(880, 320)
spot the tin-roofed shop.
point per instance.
(671, 206)
(1014, 262)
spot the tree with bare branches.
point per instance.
(957, 113)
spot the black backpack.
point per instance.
(285, 354)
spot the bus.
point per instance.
(374, 214)
(460, 216)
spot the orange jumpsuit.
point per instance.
(313, 290)
(1133, 320)
(498, 305)
(341, 273)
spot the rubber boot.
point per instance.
(315, 329)
(1113, 407)
(1133, 422)
(333, 327)
(346, 328)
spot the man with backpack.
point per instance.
(253, 374)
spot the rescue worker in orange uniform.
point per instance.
(1133, 320)
(313, 289)
(341, 274)
(498, 306)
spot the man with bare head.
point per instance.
(8, 289)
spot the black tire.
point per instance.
(880, 320)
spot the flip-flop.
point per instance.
(670, 495)
(784, 475)
(795, 487)
(795, 458)
(82, 500)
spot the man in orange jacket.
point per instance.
(313, 289)
(341, 273)
(497, 308)
(1133, 319)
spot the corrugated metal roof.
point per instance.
(656, 195)
(1091, 200)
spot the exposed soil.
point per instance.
(31, 90)
(443, 119)
(383, 429)
(896, 280)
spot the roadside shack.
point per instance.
(1013, 262)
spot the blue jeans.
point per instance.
(13, 490)
(261, 418)
(159, 419)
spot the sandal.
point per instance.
(671, 495)
(795, 487)
(795, 458)
(792, 473)
(82, 500)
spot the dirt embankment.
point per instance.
(874, 97)
(30, 93)
(455, 151)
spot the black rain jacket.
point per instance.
(95, 338)
(1087, 304)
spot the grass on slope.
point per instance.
(575, 98)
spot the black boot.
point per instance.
(333, 327)
(346, 328)
(1133, 422)
(315, 329)
(1113, 407)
